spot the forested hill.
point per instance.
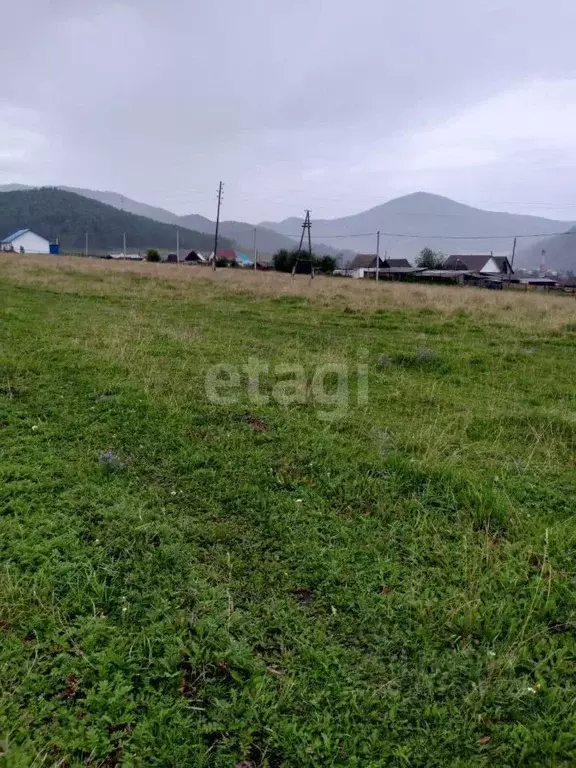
(55, 213)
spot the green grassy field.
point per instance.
(264, 585)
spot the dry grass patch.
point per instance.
(72, 273)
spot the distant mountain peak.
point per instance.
(424, 202)
(419, 219)
(422, 195)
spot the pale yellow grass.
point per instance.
(76, 274)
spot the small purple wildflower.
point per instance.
(110, 460)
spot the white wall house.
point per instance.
(25, 241)
(485, 265)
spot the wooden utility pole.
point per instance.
(255, 234)
(220, 187)
(178, 245)
(86, 245)
(512, 262)
(307, 226)
(378, 256)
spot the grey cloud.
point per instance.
(160, 99)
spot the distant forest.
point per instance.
(54, 213)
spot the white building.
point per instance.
(25, 241)
(485, 265)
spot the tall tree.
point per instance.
(430, 259)
(284, 261)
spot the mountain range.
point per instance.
(57, 213)
(242, 233)
(407, 224)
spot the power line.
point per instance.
(346, 235)
(480, 237)
(325, 237)
(251, 228)
(500, 236)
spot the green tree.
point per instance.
(430, 259)
(326, 265)
(152, 255)
(285, 260)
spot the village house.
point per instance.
(484, 265)
(364, 263)
(25, 241)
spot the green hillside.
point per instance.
(55, 213)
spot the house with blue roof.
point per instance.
(25, 241)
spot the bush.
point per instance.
(152, 255)
(285, 261)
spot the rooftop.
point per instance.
(14, 236)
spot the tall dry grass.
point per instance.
(73, 274)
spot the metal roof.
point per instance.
(368, 261)
(445, 273)
(400, 263)
(364, 261)
(396, 270)
(233, 255)
(467, 262)
(14, 236)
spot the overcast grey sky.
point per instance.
(329, 104)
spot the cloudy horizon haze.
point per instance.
(328, 105)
